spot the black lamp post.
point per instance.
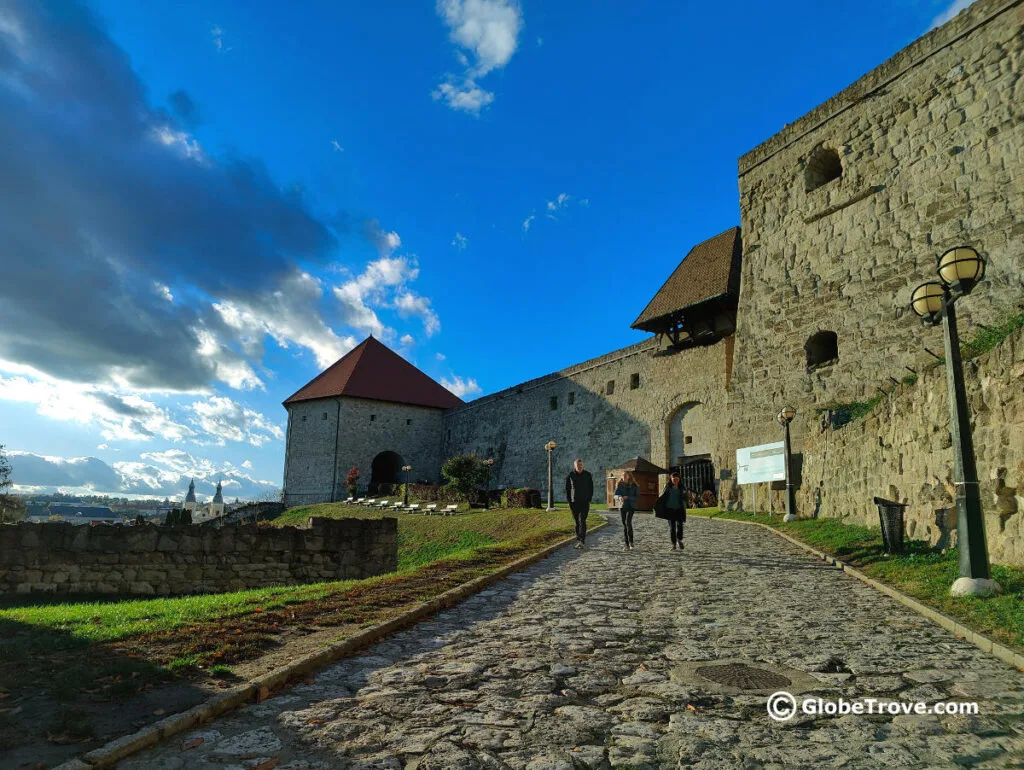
(550, 446)
(960, 269)
(785, 417)
(487, 494)
(406, 468)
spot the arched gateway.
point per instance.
(689, 446)
(385, 471)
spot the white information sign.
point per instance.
(755, 464)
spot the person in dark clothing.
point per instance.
(579, 489)
(629, 491)
(672, 506)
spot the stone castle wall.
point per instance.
(328, 436)
(932, 150)
(602, 429)
(902, 451)
(150, 560)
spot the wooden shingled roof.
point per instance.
(711, 269)
(373, 370)
(639, 465)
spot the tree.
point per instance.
(464, 474)
(5, 471)
(11, 508)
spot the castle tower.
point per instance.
(217, 505)
(190, 503)
(371, 409)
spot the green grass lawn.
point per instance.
(922, 572)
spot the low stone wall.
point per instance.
(902, 451)
(150, 560)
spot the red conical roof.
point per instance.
(373, 370)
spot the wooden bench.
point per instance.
(450, 510)
(413, 508)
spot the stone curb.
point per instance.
(980, 641)
(260, 688)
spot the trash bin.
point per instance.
(890, 515)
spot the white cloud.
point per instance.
(460, 241)
(460, 387)
(407, 340)
(226, 420)
(155, 474)
(410, 304)
(289, 315)
(557, 205)
(103, 446)
(950, 12)
(466, 95)
(488, 30)
(120, 416)
(359, 295)
(440, 356)
(163, 290)
(337, 147)
(181, 141)
(247, 464)
(559, 202)
(217, 35)
(228, 366)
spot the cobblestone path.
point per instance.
(582, 661)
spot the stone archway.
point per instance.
(385, 470)
(688, 440)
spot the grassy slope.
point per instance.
(922, 572)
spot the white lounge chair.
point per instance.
(432, 508)
(412, 508)
(450, 510)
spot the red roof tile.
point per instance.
(373, 370)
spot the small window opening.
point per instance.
(303, 418)
(554, 403)
(610, 388)
(571, 399)
(408, 422)
(373, 417)
(822, 167)
(822, 349)
(325, 415)
(688, 440)
(634, 381)
(449, 435)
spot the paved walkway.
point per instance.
(585, 660)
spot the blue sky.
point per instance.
(205, 203)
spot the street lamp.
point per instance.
(785, 417)
(406, 468)
(550, 446)
(487, 494)
(960, 269)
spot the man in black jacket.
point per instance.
(579, 488)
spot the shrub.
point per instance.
(523, 497)
(464, 473)
(707, 499)
(351, 479)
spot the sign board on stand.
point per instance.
(759, 464)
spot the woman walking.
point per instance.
(672, 506)
(629, 491)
